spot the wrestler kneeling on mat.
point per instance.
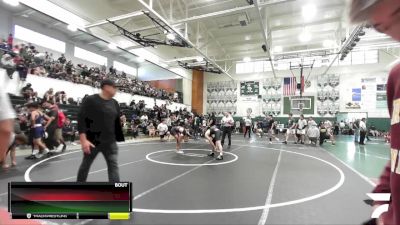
(213, 135)
(179, 133)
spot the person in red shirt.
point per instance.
(384, 16)
(10, 41)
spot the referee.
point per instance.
(227, 123)
(99, 129)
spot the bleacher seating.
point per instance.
(71, 111)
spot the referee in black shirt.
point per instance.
(99, 129)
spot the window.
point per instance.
(240, 68)
(248, 67)
(125, 68)
(267, 66)
(36, 38)
(90, 56)
(371, 57)
(259, 66)
(357, 58)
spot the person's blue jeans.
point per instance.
(110, 152)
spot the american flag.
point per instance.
(289, 86)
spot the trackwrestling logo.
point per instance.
(382, 197)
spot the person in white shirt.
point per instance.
(163, 130)
(291, 125)
(313, 133)
(7, 116)
(342, 125)
(144, 118)
(247, 124)
(363, 131)
(227, 123)
(301, 128)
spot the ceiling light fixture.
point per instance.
(246, 59)
(12, 2)
(72, 27)
(112, 46)
(170, 36)
(309, 11)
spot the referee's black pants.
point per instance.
(226, 130)
(110, 153)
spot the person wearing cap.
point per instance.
(99, 129)
(384, 16)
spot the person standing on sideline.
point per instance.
(7, 116)
(271, 129)
(247, 125)
(51, 126)
(383, 15)
(290, 131)
(356, 127)
(212, 121)
(301, 128)
(99, 129)
(363, 131)
(342, 125)
(162, 129)
(227, 123)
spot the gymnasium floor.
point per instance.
(257, 183)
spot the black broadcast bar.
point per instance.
(65, 216)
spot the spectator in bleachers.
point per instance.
(22, 69)
(8, 64)
(61, 98)
(27, 91)
(49, 96)
(10, 41)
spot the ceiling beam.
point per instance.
(315, 23)
(183, 38)
(25, 12)
(116, 18)
(214, 14)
